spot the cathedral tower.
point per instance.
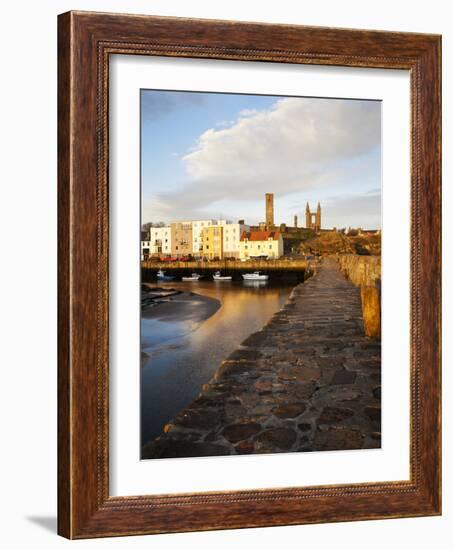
(269, 210)
(313, 220)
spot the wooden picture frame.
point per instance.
(85, 41)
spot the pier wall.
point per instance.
(365, 272)
(229, 265)
(361, 270)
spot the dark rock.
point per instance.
(301, 374)
(331, 415)
(199, 419)
(256, 339)
(304, 427)
(244, 447)
(264, 384)
(275, 439)
(301, 390)
(290, 410)
(234, 368)
(338, 439)
(333, 362)
(374, 413)
(204, 401)
(344, 377)
(247, 354)
(238, 432)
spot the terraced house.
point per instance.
(160, 241)
(197, 237)
(212, 238)
(181, 239)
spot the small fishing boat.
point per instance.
(193, 277)
(255, 276)
(162, 277)
(219, 277)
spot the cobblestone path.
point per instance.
(308, 381)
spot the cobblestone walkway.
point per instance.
(308, 381)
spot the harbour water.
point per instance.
(184, 341)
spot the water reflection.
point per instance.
(186, 340)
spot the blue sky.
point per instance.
(211, 155)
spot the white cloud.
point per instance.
(248, 112)
(291, 146)
(298, 145)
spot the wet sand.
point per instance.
(186, 306)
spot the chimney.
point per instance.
(295, 221)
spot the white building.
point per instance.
(197, 229)
(261, 244)
(160, 238)
(232, 237)
(160, 241)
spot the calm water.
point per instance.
(184, 348)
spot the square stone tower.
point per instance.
(269, 209)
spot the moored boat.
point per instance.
(193, 277)
(162, 277)
(255, 276)
(219, 277)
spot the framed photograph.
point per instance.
(249, 275)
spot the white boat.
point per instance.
(193, 277)
(255, 276)
(218, 277)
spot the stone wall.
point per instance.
(361, 270)
(365, 272)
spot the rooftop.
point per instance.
(260, 235)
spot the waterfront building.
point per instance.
(212, 239)
(181, 239)
(197, 238)
(257, 244)
(232, 236)
(160, 239)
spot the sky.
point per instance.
(213, 155)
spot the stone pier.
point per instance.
(310, 380)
